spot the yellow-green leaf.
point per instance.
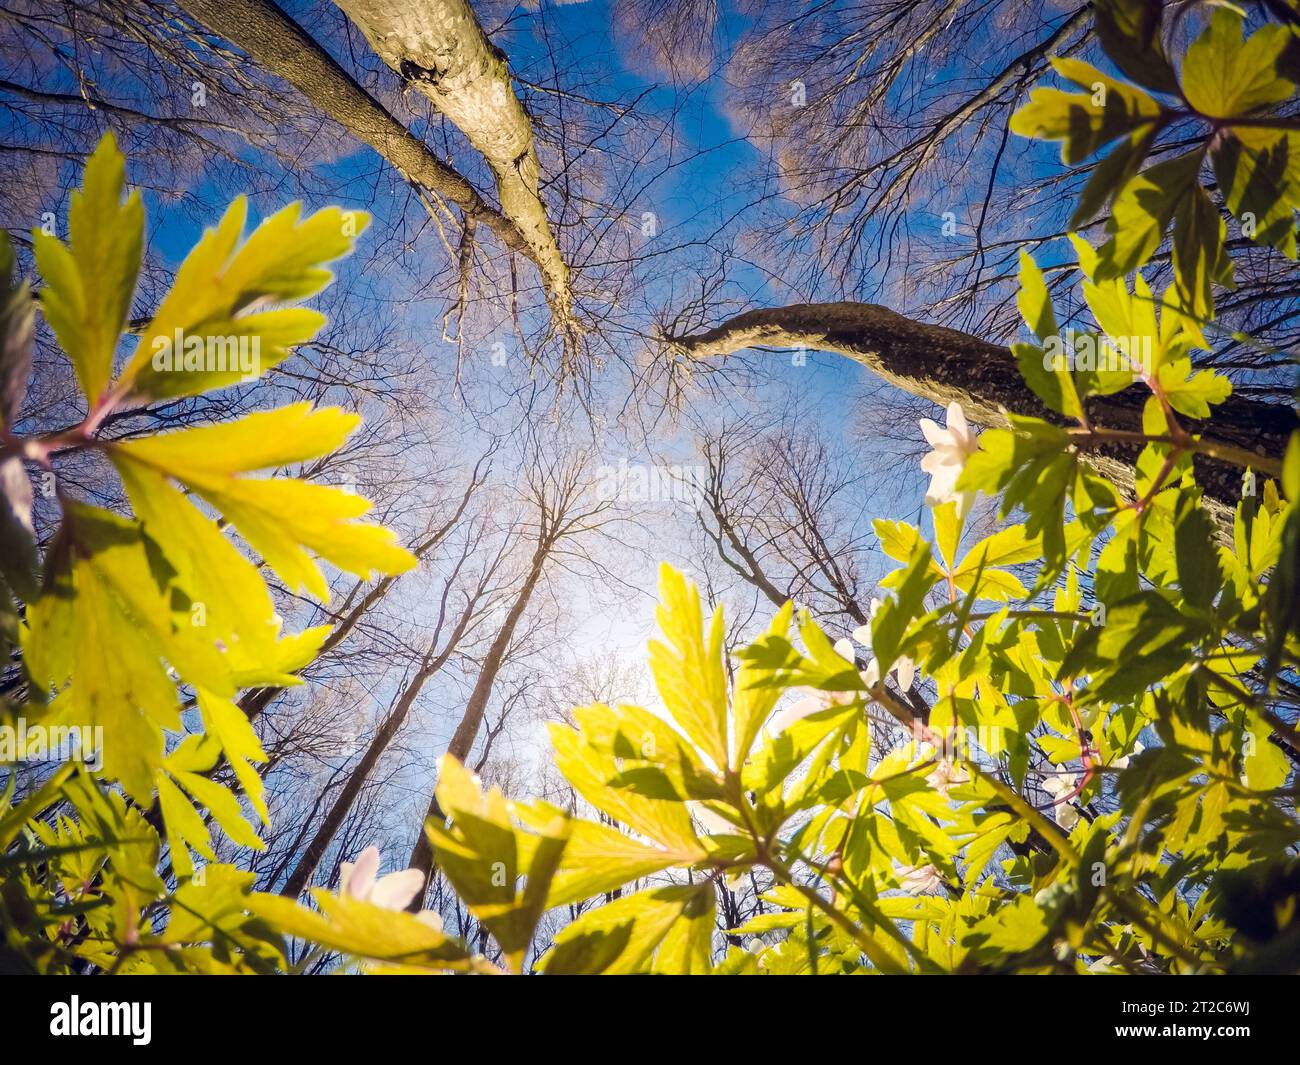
(89, 283)
(688, 667)
(221, 282)
(1224, 76)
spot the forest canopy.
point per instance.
(649, 486)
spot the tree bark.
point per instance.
(462, 739)
(342, 805)
(439, 49)
(942, 365)
(281, 46)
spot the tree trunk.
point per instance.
(942, 364)
(282, 47)
(462, 739)
(342, 805)
(439, 48)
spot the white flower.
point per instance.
(713, 824)
(904, 669)
(1122, 763)
(392, 892)
(945, 775)
(1058, 787)
(918, 879)
(951, 448)
(812, 703)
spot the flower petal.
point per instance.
(871, 675)
(957, 423)
(935, 436)
(943, 484)
(361, 880)
(783, 719)
(396, 890)
(905, 671)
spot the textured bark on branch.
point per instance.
(360, 773)
(462, 740)
(942, 364)
(282, 47)
(439, 49)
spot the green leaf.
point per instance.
(947, 531)
(224, 722)
(896, 612)
(622, 936)
(1084, 122)
(589, 771)
(1200, 259)
(1130, 34)
(752, 703)
(1033, 299)
(100, 584)
(1006, 547)
(1143, 639)
(89, 283)
(485, 855)
(260, 441)
(219, 290)
(687, 949)
(130, 841)
(1224, 76)
(1140, 339)
(688, 668)
(278, 517)
(1198, 567)
(1086, 254)
(223, 806)
(776, 759)
(1014, 928)
(1193, 393)
(1005, 454)
(1048, 377)
(226, 596)
(1258, 171)
(1266, 764)
(598, 858)
(898, 539)
(1111, 174)
(638, 737)
(184, 826)
(1142, 212)
(216, 910)
(365, 931)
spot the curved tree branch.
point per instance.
(439, 48)
(942, 365)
